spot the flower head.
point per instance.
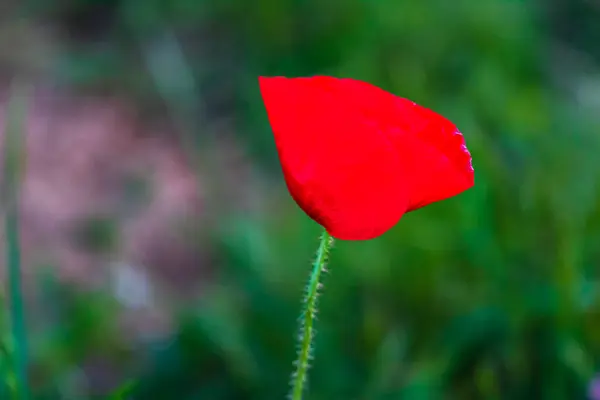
(356, 158)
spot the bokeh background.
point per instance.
(164, 259)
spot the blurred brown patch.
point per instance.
(101, 187)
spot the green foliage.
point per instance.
(490, 295)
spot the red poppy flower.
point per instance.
(356, 158)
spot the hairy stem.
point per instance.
(308, 317)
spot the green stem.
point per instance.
(13, 255)
(13, 152)
(309, 316)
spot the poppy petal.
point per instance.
(430, 146)
(434, 152)
(356, 158)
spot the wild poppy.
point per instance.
(356, 158)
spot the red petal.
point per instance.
(356, 158)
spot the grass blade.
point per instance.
(13, 151)
(124, 391)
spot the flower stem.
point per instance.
(309, 315)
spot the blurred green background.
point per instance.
(489, 295)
